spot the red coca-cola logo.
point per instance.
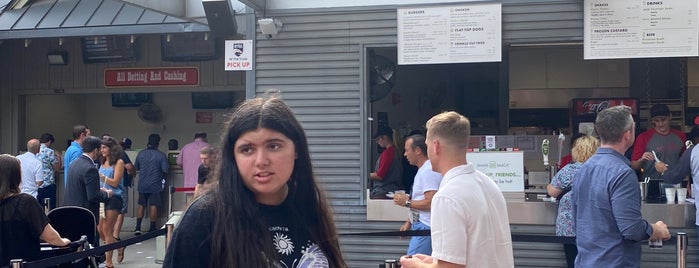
(595, 107)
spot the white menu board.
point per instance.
(450, 34)
(641, 28)
(505, 168)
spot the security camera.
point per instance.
(269, 26)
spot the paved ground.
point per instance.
(140, 255)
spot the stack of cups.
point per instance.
(681, 195)
(670, 195)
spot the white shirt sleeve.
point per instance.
(449, 230)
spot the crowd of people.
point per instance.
(97, 175)
(259, 204)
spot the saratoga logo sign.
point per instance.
(151, 77)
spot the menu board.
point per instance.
(108, 49)
(450, 34)
(641, 29)
(506, 169)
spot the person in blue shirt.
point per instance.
(111, 172)
(607, 200)
(80, 132)
(583, 148)
(153, 167)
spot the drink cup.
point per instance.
(644, 190)
(681, 195)
(670, 195)
(655, 243)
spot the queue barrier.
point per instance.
(161, 243)
(53, 261)
(680, 239)
(172, 190)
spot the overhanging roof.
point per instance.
(72, 18)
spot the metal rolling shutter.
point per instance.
(315, 62)
(542, 21)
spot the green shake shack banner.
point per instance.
(506, 169)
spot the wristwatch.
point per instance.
(407, 203)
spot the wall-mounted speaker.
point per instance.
(221, 17)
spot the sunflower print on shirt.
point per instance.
(311, 255)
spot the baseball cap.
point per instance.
(383, 130)
(659, 110)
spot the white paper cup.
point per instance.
(670, 195)
(681, 195)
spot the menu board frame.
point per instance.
(640, 29)
(450, 34)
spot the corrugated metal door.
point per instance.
(315, 61)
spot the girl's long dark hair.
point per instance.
(239, 238)
(115, 151)
(10, 176)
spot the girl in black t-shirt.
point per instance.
(266, 209)
(22, 221)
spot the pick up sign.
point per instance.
(239, 55)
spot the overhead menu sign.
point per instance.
(450, 34)
(641, 28)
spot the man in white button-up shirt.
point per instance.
(32, 177)
(470, 227)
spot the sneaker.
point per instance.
(137, 232)
(152, 230)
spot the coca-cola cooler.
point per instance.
(583, 112)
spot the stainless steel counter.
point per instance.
(544, 213)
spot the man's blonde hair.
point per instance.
(451, 127)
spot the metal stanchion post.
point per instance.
(170, 228)
(681, 249)
(169, 200)
(47, 205)
(16, 263)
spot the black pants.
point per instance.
(571, 251)
(47, 192)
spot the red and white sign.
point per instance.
(151, 77)
(594, 106)
(238, 55)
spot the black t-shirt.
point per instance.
(22, 220)
(128, 182)
(203, 173)
(191, 242)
